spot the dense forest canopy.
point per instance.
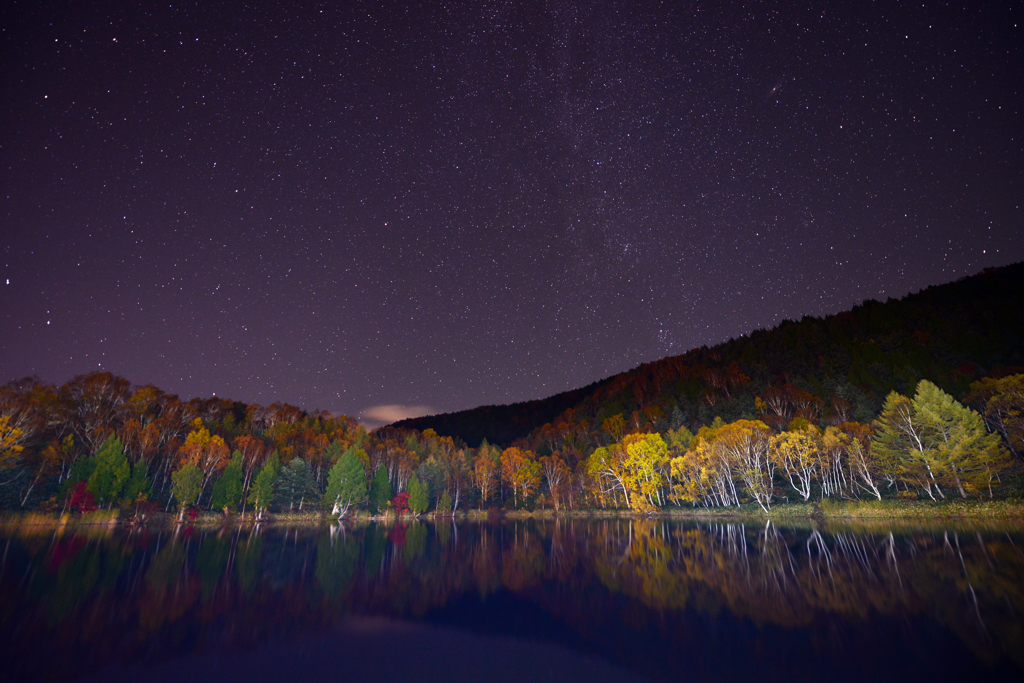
(921, 397)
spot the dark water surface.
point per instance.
(514, 601)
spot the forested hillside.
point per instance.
(922, 397)
(840, 366)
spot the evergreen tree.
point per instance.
(227, 490)
(111, 473)
(419, 497)
(444, 505)
(295, 484)
(333, 452)
(186, 485)
(891, 444)
(346, 484)
(958, 448)
(262, 491)
(138, 484)
(933, 441)
(380, 491)
(80, 472)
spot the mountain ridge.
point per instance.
(950, 333)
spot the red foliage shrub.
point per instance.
(81, 499)
(401, 503)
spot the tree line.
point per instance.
(99, 442)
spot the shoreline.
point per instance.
(826, 513)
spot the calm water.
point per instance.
(514, 601)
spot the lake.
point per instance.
(515, 600)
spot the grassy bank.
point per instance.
(828, 511)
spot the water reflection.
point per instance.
(657, 599)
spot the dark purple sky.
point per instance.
(348, 205)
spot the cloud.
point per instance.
(378, 416)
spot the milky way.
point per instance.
(482, 202)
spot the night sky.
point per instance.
(432, 207)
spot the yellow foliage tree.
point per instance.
(645, 454)
(797, 454)
(521, 471)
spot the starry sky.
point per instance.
(384, 209)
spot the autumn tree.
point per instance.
(11, 445)
(486, 465)
(744, 445)
(833, 461)
(254, 453)
(92, 406)
(47, 462)
(796, 453)
(866, 470)
(207, 452)
(613, 427)
(642, 470)
(606, 466)
(557, 474)
(521, 471)
(1002, 404)
(959, 445)
(455, 465)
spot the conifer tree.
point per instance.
(333, 452)
(958, 448)
(346, 484)
(296, 485)
(262, 491)
(380, 491)
(138, 484)
(186, 485)
(227, 490)
(419, 498)
(444, 505)
(933, 441)
(111, 473)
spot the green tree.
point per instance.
(80, 471)
(419, 497)
(380, 491)
(296, 484)
(346, 484)
(678, 440)
(334, 451)
(111, 473)
(227, 490)
(186, 485)
(934, 441)
(959, 449)
(262, 491)
(138, 484)
(444, 505)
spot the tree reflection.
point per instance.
(246, 587)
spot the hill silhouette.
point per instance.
(838, 367)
